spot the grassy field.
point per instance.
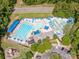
(66, 42)
(11, 44)
(55, 56)
(30, 15)
(1, 55)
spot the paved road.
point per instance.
(34, 10)
(46, 55)
(63, 54)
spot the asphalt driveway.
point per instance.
(56, 49)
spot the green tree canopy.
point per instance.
(64, 9)
(29, 55)
(6, 6)
(42, 47)
(66, 39)
(35, 2)
(1, 55)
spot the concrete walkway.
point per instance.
(34, 10)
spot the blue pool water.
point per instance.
(22, 32)
(24, 29)
(38, 26)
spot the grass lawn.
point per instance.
(1, 55)
(53, 41)
(66, 42)
(22, 49)
(55, 56)
(66, 39)
(30, 15)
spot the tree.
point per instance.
(1, 55)
(55, 36)
(53, 1)
(29, 55)
(55, 56)
(34, 47)
(66, 39)
(75, 43)
(62, 9)
(1, 52)
(34, 2)
(67, 10)
(42, 47)
(6, 8)
(2, 31)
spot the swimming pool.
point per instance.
(27, 26)
(22, 32)
(38, 26)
